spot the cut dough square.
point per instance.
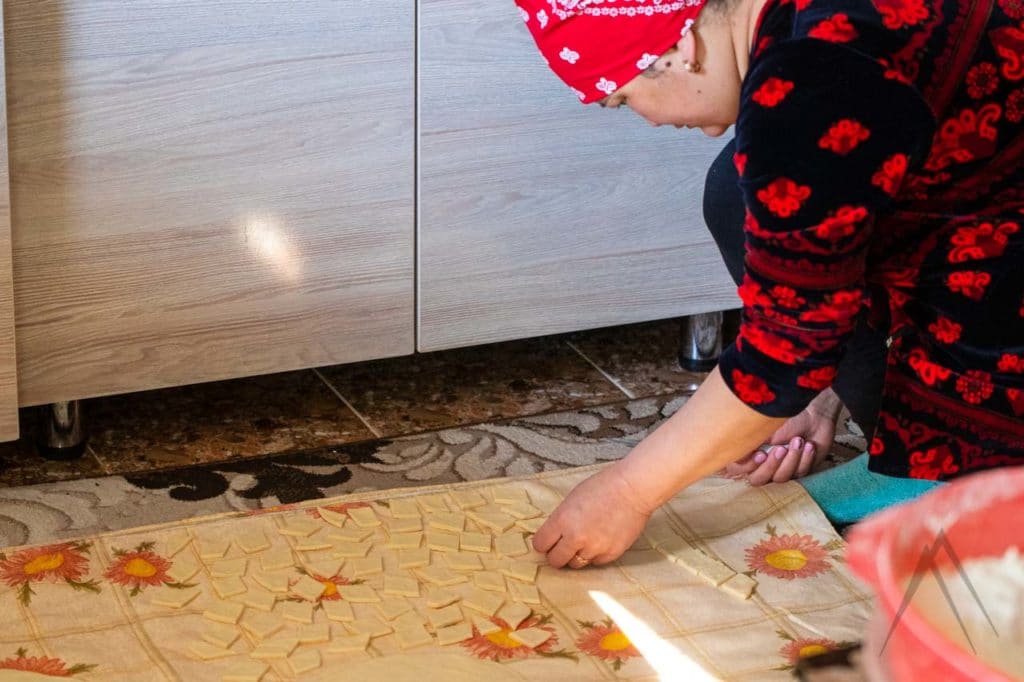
(514, 614)
(175, 541)
(262, 625)
(366, 566)
(401, 585)
(245, 671)
(213, 548)
(226, 568)
(275, 582)
(449, 615)
(298, 612)
(220, 634)
(336, 519)
(531, 637)
(275, 649)
(339, 611)
(489, 580)
(364, 517)
(182, 570)
(438, 597)
(413, 636)
(442, 542)
(393, 607)
(511, 494)
(224, 612)
(486, 603)
(276, 559)
(531, 525)
(259, 599)
(358, 594)
(485, 626)
(304, 661)
(413, 525)
(313, 543)
(439, 575)
(432, 504)
(371, 625)
(314, 634)
(347, 643)
(228, 587)
(475, 542)
(253, 541)
(525, 593)
(404, 508)
(299, 527)
(453, 634)
(175, 598)
(463, 561)
(308, 588)
(325, 568)
(660, 533)
(405, 540)
(207, 652)
(493, 521)
(525, 571)
(414, 558)
(352, 550)
(411, 619)
(452, 522)
(708, 568)
(740, 585)
(350, 534)
(468, 499)
(523, 511)
(511, 544)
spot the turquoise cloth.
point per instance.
(849, 492)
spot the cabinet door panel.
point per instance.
(208, 189)
(8, 361)
(538, 215)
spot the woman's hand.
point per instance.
(597, 522)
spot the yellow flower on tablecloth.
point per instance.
(606, 641)
(42, 665)
(788, 556)
(804, 647)
(140, 568)
(498, 646)
(65, 562)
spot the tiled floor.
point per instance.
(348, 403)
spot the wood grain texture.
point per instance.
(206, 189)
(8, 356)
(538, 215)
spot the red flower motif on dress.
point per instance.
(788, 556)
(817, 379)
(498, 646)
(772, 91)
(42, 665)
(897, 14)
(933, 463)
(929, 372)
(877, 447)
(841, 224)
(891, 174)
(1011, 363)
(982, 80)
(750, 389)
(140, 568)
(1015, 105)
(970, 283)
(844, 136)
(772, 345)
(783, 197)
(740, 161)
(1016, 398)
(1009, 44)
(52, 563)
(605, 640)
(978, 242)
(1013, 8)
(945, 330)
(969, 136)
(975, 386)
(805, 647)
(839, 306)
(836, 29)
(787, 297)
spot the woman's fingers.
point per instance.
(563, 552)
(764, 473)
(807, 459)
(547, 535)
(748, 464)
(790, 461)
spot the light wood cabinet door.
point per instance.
(8, 361)
(208, 189)
(538, 215)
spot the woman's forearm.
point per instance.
(712, 429)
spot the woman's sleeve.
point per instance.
(823, 141)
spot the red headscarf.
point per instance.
(597, 46)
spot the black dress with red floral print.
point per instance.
(880, 147)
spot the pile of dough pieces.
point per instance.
(425, 570)
(715, 572)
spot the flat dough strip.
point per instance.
(220, 634)
(449, 615)
(336, 519)
(511, 544)
(253, 541)
(699, 563)
(451, 522)
(468, 499)
(404, 508)
(245, 671)
(353, 550)
(475, 542)
(453, 634)
(183, 570)
(401, 585)
(304, 661)
(514, 614)
(463, 561)
(404, 540)
(308, 588)
(348, 643)
(486, 603)
(224, 612)
(414, 558)
(525, 593)
(490, 580)
(339, 611)
(208, 652)
(262, 625)
(358, 594)
(210, 548)
(511, 494)
(372, 626)
(228, 587)
(366, 566)
(740, 585)
(275, 582)
(486, 626)
(442, 542)
(438, 597)
(277, 559)
(175, 598)
(531, 637)
(364, 517)
(227, 568)
(525, 571)
(299, 527)
(298, 611)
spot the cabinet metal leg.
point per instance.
(701, 342)
(61, 433)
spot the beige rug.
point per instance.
(146, 603)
